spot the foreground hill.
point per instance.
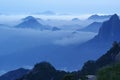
(109, 58)
(43, 71)
(109, 73)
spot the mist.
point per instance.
(24, 46)
(12, 39)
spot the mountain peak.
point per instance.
(44, 66)
(114, 17)
(43, 71)
(29, 18)
(30, 22)
(110, 29)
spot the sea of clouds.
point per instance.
(14, 42)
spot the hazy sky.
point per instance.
(60, 6)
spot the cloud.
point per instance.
(23, 47)
(12, 39)
(76, 38)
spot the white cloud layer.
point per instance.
(12, 39)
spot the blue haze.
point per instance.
(60, 6)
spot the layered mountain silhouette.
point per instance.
(93, 27)
(31, 22)
(108, 33)
(90, 50)
(15, 74)
(45, 71)
(93, 49)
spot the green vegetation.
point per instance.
(109, 73)
(69, 77)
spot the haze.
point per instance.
(60, 6)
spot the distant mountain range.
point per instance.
(92, 50)
(47, 13)
(89, 50)
(99, 17)
(13, 75)
(31, 22)
(76, 19)
(93, 27)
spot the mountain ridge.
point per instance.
(93, 27)
(32, 23)
(103, 40)
(13, 75)
(99, 17)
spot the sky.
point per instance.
(60, 6)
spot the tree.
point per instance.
(109, 73)
(69, 77)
